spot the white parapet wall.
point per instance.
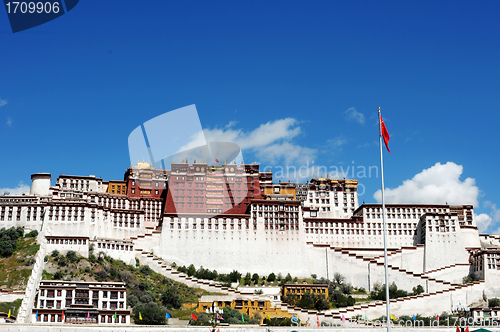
(10, 296)
(24, 314)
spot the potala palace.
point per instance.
(232, 216)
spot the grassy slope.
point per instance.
(14, 273)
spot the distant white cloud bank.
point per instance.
(439, 184)
(19, 190)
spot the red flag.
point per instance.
(437, 318)
(458, 330)
(63, 316)
(385, 134)
(467, 329)
(193, 316)
(216, 160)
(317, 319)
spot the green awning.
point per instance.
(481, 330)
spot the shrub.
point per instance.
(143, 285)
(145, 269)
(30, 261)
(132, 300)
(248, 279)
(150, 316)
(494, 303)
(58, 275)
(8, 240)
(418, 290)
(126, 276)
(170, 298)
(72, 256)
(33, 233)
(147, 297)
(234, 276)
(62, 261)
(54, 253)
(101, 275)
(191, 270)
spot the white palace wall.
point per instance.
(247, 250)
(411, 259)
(442, 249)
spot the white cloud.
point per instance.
(9, 122)
(354, 115)
(286, 151)
(19, 190)
(336, 143)
(439, 184)
(272, 141)
(3, 102)
(483, 221)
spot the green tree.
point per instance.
(191, 270)
(150, 316)
(72, 256)
(248, 279)
(8, 240)
(145, 269)
(234, 276)
(418, 290)
(271, 277)
(322, 304)
(255, 278)
(378, 292)
(494, 303)
(33, 233)
(171, 299)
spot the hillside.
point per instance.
(148, 291)
(17, 258)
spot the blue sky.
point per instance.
(293, 82)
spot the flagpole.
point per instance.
(387, 300)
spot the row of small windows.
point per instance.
(113, 246)
(328, 202)
(359, 232)
(407, 210)
(359, 225)
(82, 293)
(275, 208)
(207, 220)
(216, 226)
(66, 241)
(74, 319)
(327, 194)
